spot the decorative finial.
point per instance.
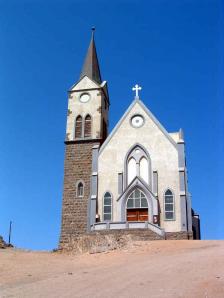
(136, 88)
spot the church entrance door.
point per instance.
(137, 214)
(137, 206)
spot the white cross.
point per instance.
(136, 89)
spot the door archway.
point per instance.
(137, 206)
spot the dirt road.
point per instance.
(153, 269)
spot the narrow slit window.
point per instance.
(80, 190)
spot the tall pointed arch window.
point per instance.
(169, 205)
(87, 128)
(78, 127)
(131, 169)
(107, 207)
(144, 168)
(138, 164)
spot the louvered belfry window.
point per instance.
(87, 129)
(78, 127)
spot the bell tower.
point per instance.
(87, 125)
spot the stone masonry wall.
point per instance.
(99, 241)
(179, 235)
(78, 166)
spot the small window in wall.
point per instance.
(78, 127)
(169, 205)
(80, 190)
(107, 207)
(87, 129)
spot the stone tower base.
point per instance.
(78, 167)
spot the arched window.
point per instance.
(107, 207)
(169, 205)
(87, 128)
(144, 169)
(80, 190)
(131, 169)
(137, 199)
(138, 165)
(78, 127)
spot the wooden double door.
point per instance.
(140, 214)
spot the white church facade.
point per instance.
(133, 178)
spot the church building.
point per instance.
(134, 178)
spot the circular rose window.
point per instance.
(137, 121)
(84, 97)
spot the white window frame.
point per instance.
(135, 198)
(111, 205)
(137, 158)
(173, 203)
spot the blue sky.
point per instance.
(173, 49)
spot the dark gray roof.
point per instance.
(91, 67)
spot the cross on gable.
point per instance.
(136, 88)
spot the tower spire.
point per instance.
(91, 67)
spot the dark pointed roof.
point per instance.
(91, 67)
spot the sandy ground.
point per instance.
(153, 269)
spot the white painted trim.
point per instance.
(182, 193)
(95, 146)
(125, 225)
(73, 86)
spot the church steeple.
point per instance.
(87, 127)
(91, 67)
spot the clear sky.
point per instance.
(173, 49)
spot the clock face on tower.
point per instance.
(137, 121)
(85, 97)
